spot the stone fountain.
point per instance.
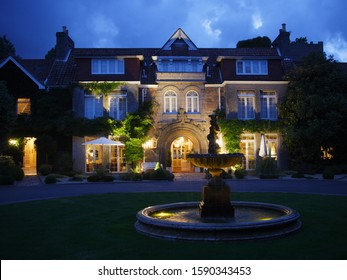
(215, 217)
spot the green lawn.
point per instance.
(102, 227)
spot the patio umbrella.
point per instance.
(103, 141)
(262, 150)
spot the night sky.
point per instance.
(31, 25)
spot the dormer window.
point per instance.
(180, 65)
(107, 66)
(251, 67)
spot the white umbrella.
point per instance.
(262, 150)
(104, 141)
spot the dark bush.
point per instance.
(50, 179)
(298, 175)
(328, 174)
(45, 169)
(106, 178)
(76, 178)
(161, 174)
(17, 173)
(240, 173)
(267, 168)
(97, 178)
(93, 178)
(6, 180)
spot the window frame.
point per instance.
(117, 115)
(194, 102)
(170, 98)
(267, 95)
(252, 67)
(107, 66)
(246, 96)
(95, 112)
(23, 103)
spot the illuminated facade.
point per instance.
(186, 83)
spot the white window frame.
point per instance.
(252, 67)
(271, 138)
(170, 102)
(192, 102)
(107, 66)
(116, 114)
(268, 111)
(248, 139)
(248, 112)
(94, 112)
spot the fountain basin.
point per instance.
(252, 220)
(214, 161)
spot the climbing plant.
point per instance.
(100, 88)
(233, 128)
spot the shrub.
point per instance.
(50, 179)
(76, 178)
(161, 174)
(6, 180)
(17, 173)
(267, 168)
(328, 174)
(45, 169)
(9, 168)
(93, 178)
(97, 178)
(298, 175)
(239, 172)
(106, 178)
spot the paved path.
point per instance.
(33, 189)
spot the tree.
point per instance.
(7, 114)
(258, 42)
(314, 110)
(6, 48)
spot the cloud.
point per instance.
(104, 31)
(207, 25)
(257, 21)
(337, 46)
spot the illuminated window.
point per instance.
(23, 106)
(271, 145)
(118, 106)
(170, 102)
(192, 100)
(251, 67)
(247, 148)
(107, 66)
(93, 107)
(268, 108)
(245, 105)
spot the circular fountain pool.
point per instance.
(252, 220)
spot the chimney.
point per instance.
(63, 44)
(284, 29)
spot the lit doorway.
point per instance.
(29, 159)
(180, 148)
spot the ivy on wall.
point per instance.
(100, 88)
(233, 128)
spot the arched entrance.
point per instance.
(180, 148)
(178, 138)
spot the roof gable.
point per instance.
(177, 37)
(25, 71)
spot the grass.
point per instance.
(102, 227)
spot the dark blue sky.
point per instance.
(31, 25)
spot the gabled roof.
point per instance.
(179, 35)
(25, 71)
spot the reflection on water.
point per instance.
(242, 215)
